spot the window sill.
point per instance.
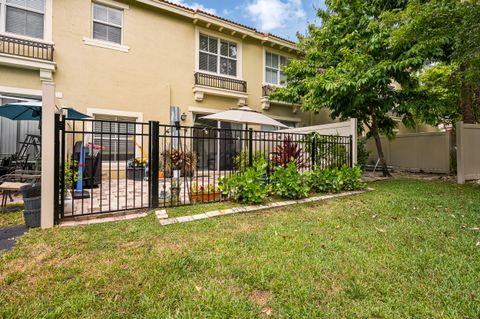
(106, 45)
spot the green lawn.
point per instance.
(407, 250)
(11, 218)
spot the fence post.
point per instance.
(460, 153)
(56, 175)
(250, 147)
(351, 151)
(153, 163)
(314, 150)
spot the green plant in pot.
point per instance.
(175, 191)
(70, 178)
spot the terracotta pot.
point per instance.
(205, 197)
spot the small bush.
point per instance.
(288, 182)
(241, 161)
(248, 187)
(334, 180)
(362, 152)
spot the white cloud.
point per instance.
(194, 5)
(270, 15)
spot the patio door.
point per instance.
(216, 150)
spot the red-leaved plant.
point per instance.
(287, 152)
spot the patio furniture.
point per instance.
(12, 182)
(7, 188)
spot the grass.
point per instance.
(407, 250)
(11, 218)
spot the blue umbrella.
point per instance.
(32, 111)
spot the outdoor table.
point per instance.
(7, 189)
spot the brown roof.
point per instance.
(229, 21)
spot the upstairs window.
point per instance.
(217, 56)
(107, 23)
(273, 69)
(24, 17)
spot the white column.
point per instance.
(48, 156)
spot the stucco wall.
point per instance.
(157, 72)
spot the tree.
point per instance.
(446, 31)
(351, 68)
(439, 99)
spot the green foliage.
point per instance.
(349, 66)
(327, 149)
(440, 88)
(445, 32)
(362, 152)
(336, 179)
(288, 151)
(241, 161)
(71, 174)
(288, 182)
(248, 187)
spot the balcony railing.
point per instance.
(268, 89)
(26, 48)
(220, 82)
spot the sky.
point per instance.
(281, 17)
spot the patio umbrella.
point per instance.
(32, 111)
(244, 115)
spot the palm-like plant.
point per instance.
(289, 151)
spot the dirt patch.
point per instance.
(262, 299)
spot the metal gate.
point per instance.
(111, 166)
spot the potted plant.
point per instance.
(175, 191)
(204, 193)
(70, 178)
(136, 169)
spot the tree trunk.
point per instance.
(476, 104)
(466, 98)
(468, 115)
(378, 144)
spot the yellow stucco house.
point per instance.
(140, 59)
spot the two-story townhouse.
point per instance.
(141, 60)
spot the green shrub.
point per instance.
(362, 152)
(327, 149)
(334, 180)
(241, 161)
(248, 187)
(288, 182)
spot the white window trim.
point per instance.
(47, 23)
(219, 36)
(107, 44)
(264, 80)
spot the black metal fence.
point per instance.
(108, 166)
